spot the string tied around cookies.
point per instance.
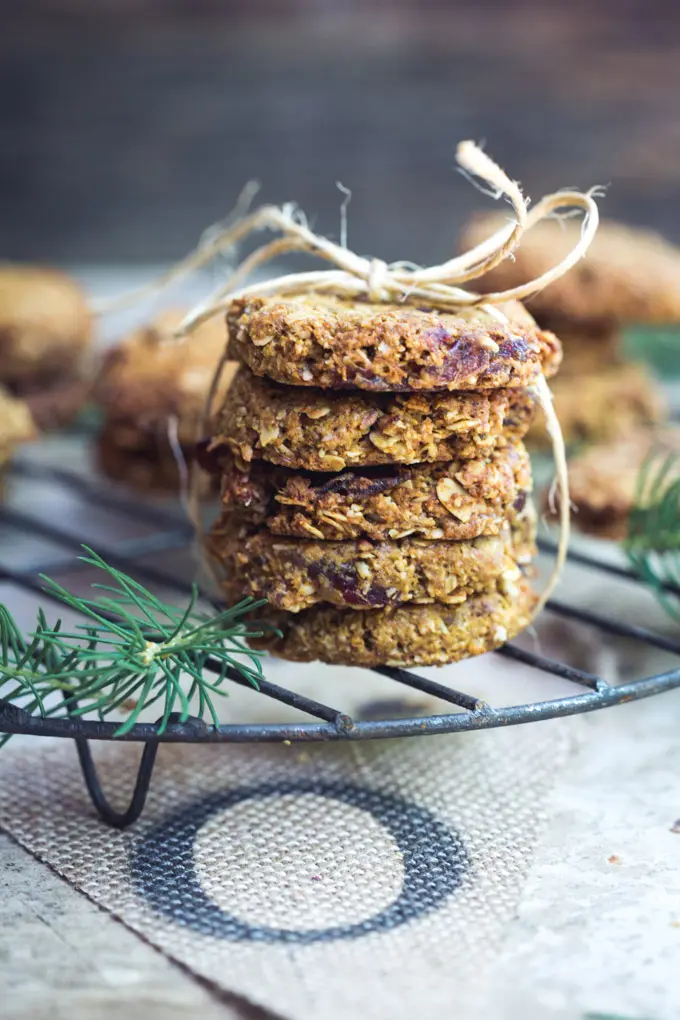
(354, 276)
(377, 280)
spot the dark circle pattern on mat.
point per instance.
(164, 874)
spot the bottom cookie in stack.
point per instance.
(407, 635)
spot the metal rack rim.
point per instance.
(194, 731)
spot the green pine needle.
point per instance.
(653, 542)
(132, 649)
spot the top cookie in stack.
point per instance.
(324, 341)
(374, 481)
(627, 276)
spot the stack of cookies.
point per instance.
(627, 276)
(375, 486)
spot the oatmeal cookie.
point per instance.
(148, 466)
(321, 340)
(429, 635)
(295, 574)
(458, 499)
(627, 274)
(323, 431)
(585, 353)
(57, 402)
(150, 383)
(16, 425)
(45, 334)
(603, 480)
(599, 407)
(149, 376)
(44, 322)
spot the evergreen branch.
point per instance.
(132, 647)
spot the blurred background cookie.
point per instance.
(45, 335)
(627, 275)
(604, 481)
(153, 389)
(16, 425)
(598, 406)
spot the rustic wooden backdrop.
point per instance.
(128, 125)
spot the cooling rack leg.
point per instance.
(117, 819)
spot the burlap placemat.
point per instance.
(373, 880)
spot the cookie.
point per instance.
(584, 353)
(324, 341)
(150, 387)
(16, 425)
(151, 467)
(627, 275)
(411, 635)
(45, 323)
(150, 377)
(58, 402)
(45, 333)
(295, 574)
(599, 407)
(325, 431)
(603, 481)
(452, 500)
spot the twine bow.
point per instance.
(353, 276)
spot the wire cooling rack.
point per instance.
(41, 531)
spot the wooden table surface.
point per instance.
(63, 958)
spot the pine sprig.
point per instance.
(132, 650)
(653, 541)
